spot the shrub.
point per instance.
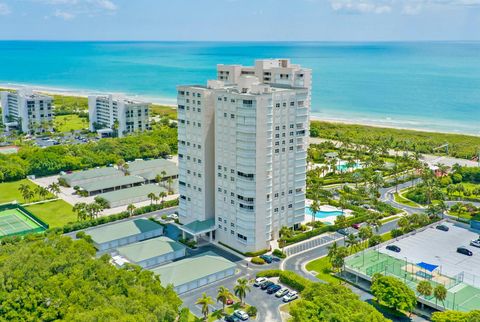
(188, 242)
(184, 315)
(257, 253)
(257, 260)
(252, 311)
(279, 253)
(396, 233)
(288, 278)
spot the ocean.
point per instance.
(432, 86)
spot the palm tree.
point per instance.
(440, 293)
(131, 208)
(80, 209)
(314, 207)
(54, 188)
(27, 194)
(223, 295)
(205, 301)
(151, 196)
(424, 288)
(351, 242)
(332, 250)
(285, 232)
(42, 192)
(162, 195)
(169, 182)
(374, 221)
(365, 233)
(241, 289)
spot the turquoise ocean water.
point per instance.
(432, 86)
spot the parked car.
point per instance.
(393, 248)
(172, 216)
(232, 318)
(290, 296)
(442, 228)
(464, 250)
(259, 281)
(282, 292)
(273, 288)
(267, 258)
(229, 302)
(475, 243)
(358, 226)
(242, 315)
(266, 285)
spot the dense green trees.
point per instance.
(51, 160)
(455, 316)
(393, 293)
(462, 146)
(55, 278)
(326, 302)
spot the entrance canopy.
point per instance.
(198, 227)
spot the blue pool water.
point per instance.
(323, 214)
(344, 167)
(422, 85)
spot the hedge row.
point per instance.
(106, 219)
(247, 254)
(288, 278)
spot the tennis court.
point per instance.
(16, 221)
(463, 293)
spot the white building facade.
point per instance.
(260, 117)
(116, 114)
(27, 111)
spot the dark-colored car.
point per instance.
(267, 258)
(393, 248)
(442, 228)
(232, 318)
(266, 285)
(465, 251)
(273, 289)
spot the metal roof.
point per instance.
(104, 183)
(106, 233)
(156, 165)
(93, 173)
(199, 226)
(130, 193)
(150, 248)
(193, 268)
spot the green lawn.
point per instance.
(9, 191)
(55, 213)
(388, 219)
(404, 201)
(163, 110)
(323, 268)
(66, 123)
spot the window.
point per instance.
(290, 192)
(232, 116)
(292, 103)
(275, 210)
(277, 105)
(290, 206)
(232, 232)
(277, 128)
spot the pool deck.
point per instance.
(325, 208)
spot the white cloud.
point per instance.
(361, 6)
(4, 9)
(407, 7)
(105, 4)
(64, 15)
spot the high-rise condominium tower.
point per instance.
(242, 151)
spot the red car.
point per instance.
(229, 302)
(357, 226)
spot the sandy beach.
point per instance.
(385, 123)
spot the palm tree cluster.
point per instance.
(29, 193)
(240, 290)
(87, 211)
(153, 197)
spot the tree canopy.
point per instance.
(326, 302)
(54, 278)
(393, 293)
(455, 316)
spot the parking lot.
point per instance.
(439, 248)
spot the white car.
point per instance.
(173, 216)
(259, 281)
(242, 315)
(293, 295)
(282, 292)
(475, 243)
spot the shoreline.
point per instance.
(164, 101)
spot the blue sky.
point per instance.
(276, 20)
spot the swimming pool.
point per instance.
(324, 214)
(343, 167)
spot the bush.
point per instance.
(279, 253)
(184, 315)
(288, 278)
(188, 242)
(252, 311)
(257, 253)
(396, 233)
(257, 260)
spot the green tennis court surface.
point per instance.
(15, 221)
(460, 296)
